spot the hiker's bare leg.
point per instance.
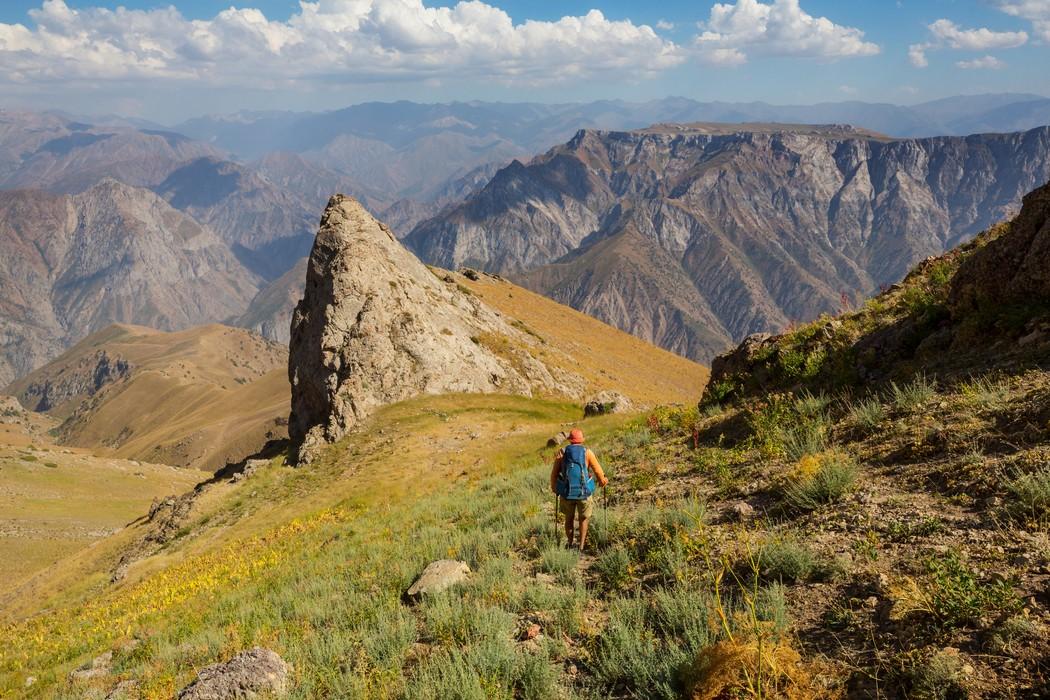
(583, 531)
(569, 523)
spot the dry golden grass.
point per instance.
(200, 397)
(607, 358)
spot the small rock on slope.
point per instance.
(256, 673)
(438, 576)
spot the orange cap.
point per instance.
(576, 436)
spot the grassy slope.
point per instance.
(606, 357)
(185, 403)
(55, 501)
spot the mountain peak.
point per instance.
(376, 326)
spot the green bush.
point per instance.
(986, 391)
(636, 438)
(913, 395)
(811, 406)
(807, 436)
(937, 678)
(452, 620)
(649, 642)
(832, 479)
(957, 598)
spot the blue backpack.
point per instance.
(575, 482)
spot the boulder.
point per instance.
(96, 668)
(438, 576)
(256, 673)
(607, 402)
(740, 360)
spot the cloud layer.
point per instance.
(947, 34)
(365, 41)
(356, 40)
(779, 28)
(1035, 11)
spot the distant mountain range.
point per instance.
(694, 236)
(119, 220)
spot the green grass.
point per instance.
(560, 562)
(1028, 495)
(914, 395)
(789, 561)
(867, 413)
(986, 392)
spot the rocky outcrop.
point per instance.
(695, 236)
(376, 326)
(256, 673)
(80, 381)
(1013, 269)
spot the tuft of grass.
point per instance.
(986, 392)
(808, 436)
(913, 395)
(867, 413)
(820, 480)
(636, 438)
(812, 405)
(1029, 495)
(1010, 632)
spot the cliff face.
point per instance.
(73, 264)
(768, 224)
(376, 326)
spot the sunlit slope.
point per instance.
(55, 501)
(606, 357)
(200, 397)
(249, 548)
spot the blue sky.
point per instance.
(201, 57)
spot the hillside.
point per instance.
(758, 225)
(825, 535)
(198, 398)
(73, 264)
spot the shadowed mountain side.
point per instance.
(201, 397)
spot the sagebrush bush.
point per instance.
(636, 438)
(560, 562)
(613, 568)
(1028, 495)
(820, 480)
(787, 560)
(937, 678)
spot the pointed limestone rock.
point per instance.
(376, 326)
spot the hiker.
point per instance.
(572, 479)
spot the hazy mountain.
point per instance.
(46, 151)
(266, 227)
(694, 236)
(73, 264)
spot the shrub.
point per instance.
(1010, 631)
(787, 561)
(1029, 495)
(811, 406)
(453, 620)
(820, 480)
(614, 569)
(913, 395)
(937, 678)
(638, 437)
(867, 413)
(560, 562)
(648, 644)
(956, 598)
(808, 436)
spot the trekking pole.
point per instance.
(557, 533)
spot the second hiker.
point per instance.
(573, 478)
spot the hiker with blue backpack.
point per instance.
(573, 478)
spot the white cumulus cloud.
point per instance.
(947, 34)
(985, 62)
(1035, 11)
(738, 30)
(327, 40)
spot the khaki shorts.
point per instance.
(584, 508)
